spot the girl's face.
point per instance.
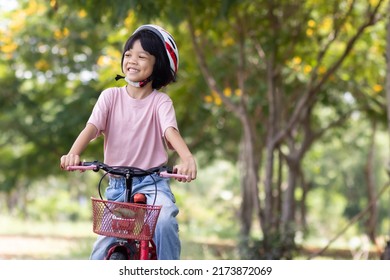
(137, 63)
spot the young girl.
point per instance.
(138, 123)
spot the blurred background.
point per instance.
(283, 104)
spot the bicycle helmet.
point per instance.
(168, 41)
(169, 45)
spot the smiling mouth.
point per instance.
(132, 70)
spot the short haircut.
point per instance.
(150, 42)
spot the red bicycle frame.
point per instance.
(128, 222)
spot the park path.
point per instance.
(18, 247)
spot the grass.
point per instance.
(69, 241)
(74, 240)
(9, 226)
(44, 240)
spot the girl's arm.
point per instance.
(188, 164)
(79, 145)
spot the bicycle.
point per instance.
(133, 221)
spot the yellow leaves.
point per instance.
(61, 34)
(323, 27)
(130, 20)
(114, 53)
(226, 42)
(7, 44)
(208, 99)
(82, 13)
(42, 65)
(348, 28)
(298, 65)
(18, 21)
(8, 48)
(310, 30)
(321, 69)
(53, 3)
(295, 63)
(109, 61)
(35, 8)
(311, 23)
(326, 25)
(377, 88)
(227, 92)
(217, 101)
(297, 60)
(215, 98)
(373, 3)
(19, 16)
(374, 91)
(307, 69)
(102, 60)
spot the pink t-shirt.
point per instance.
(133, 129)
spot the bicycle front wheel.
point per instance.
(118, 256)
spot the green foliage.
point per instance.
(51, 66)
(59, 207)
(335, 171)
(209, 206)
(57, 56)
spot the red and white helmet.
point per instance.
(168, 41)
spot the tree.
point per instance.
(283, 43)
(45, 74)
(268, 70)
(386, 254)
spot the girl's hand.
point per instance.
(69, 160)
(73, 156)
(186, 167)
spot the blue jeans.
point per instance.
(166, 235)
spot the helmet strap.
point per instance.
(135, 84)
(139, 84)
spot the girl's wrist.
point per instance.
(188, 158)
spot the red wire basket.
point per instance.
(124, 220)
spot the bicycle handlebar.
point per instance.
(81, 167)
(127, 170)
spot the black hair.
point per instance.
(150, 42)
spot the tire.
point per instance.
(118, 256)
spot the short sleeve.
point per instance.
(167, 118)
(100, 112)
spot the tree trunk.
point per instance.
(288, 208)
(302, 207)
(269, 220)
(386, 255)
(388, 71)
(249, 164)
(371, 192)
(246, 209)
(278, 196)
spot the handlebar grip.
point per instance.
(80, 167)
(173, 175)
